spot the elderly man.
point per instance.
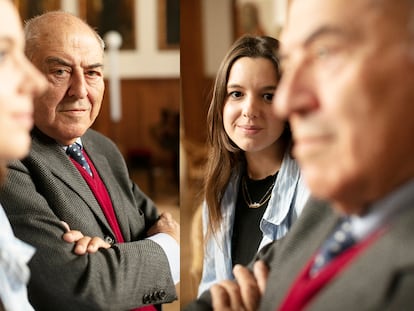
(76, 175)
(347, 90)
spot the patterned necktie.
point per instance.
(340, 240)
(75, 152)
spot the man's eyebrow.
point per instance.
(53, 60)
(60, 61)
(322, 32)
(93, 66)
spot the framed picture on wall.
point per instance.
(30, 8)
(259, 17)
(168, 24)
(107, 15)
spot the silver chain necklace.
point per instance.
(262, 201)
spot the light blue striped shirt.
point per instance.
(14, 272)
(288, 198)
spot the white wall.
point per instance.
(218, 27)
(147, 61)
(218, 32)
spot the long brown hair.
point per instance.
(224, 155)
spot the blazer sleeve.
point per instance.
(123, 277)
(203, 303)
(146, 205)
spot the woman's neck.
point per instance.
(264, 163)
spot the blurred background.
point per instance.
(208, 28)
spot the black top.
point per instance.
(247, 235)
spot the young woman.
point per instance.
(253, 188)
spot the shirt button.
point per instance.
(109, 239)
(146, 299)
(161, 294)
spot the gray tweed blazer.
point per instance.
(380, 278)
(46, 188)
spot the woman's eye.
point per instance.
(235, 94)
(268, 97)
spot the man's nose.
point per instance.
(78, 86)
(295, 93)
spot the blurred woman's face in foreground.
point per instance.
(19, 83)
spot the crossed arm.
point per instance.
(83, 244)
(86, 244)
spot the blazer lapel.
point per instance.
(293, 252)
(377, 268)
(105, 172)
(61, 166)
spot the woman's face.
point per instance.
(248, 114)
(19, 83)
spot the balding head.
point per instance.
(52, 25)
(70, 54)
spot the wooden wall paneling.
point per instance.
(193, 108)
(194, 105)
(142, 103)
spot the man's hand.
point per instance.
(166, 224)
(243, 295)
(84, 244)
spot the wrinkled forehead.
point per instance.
(77, 44)
(68, 31)
(353, 17)
(61, 30)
